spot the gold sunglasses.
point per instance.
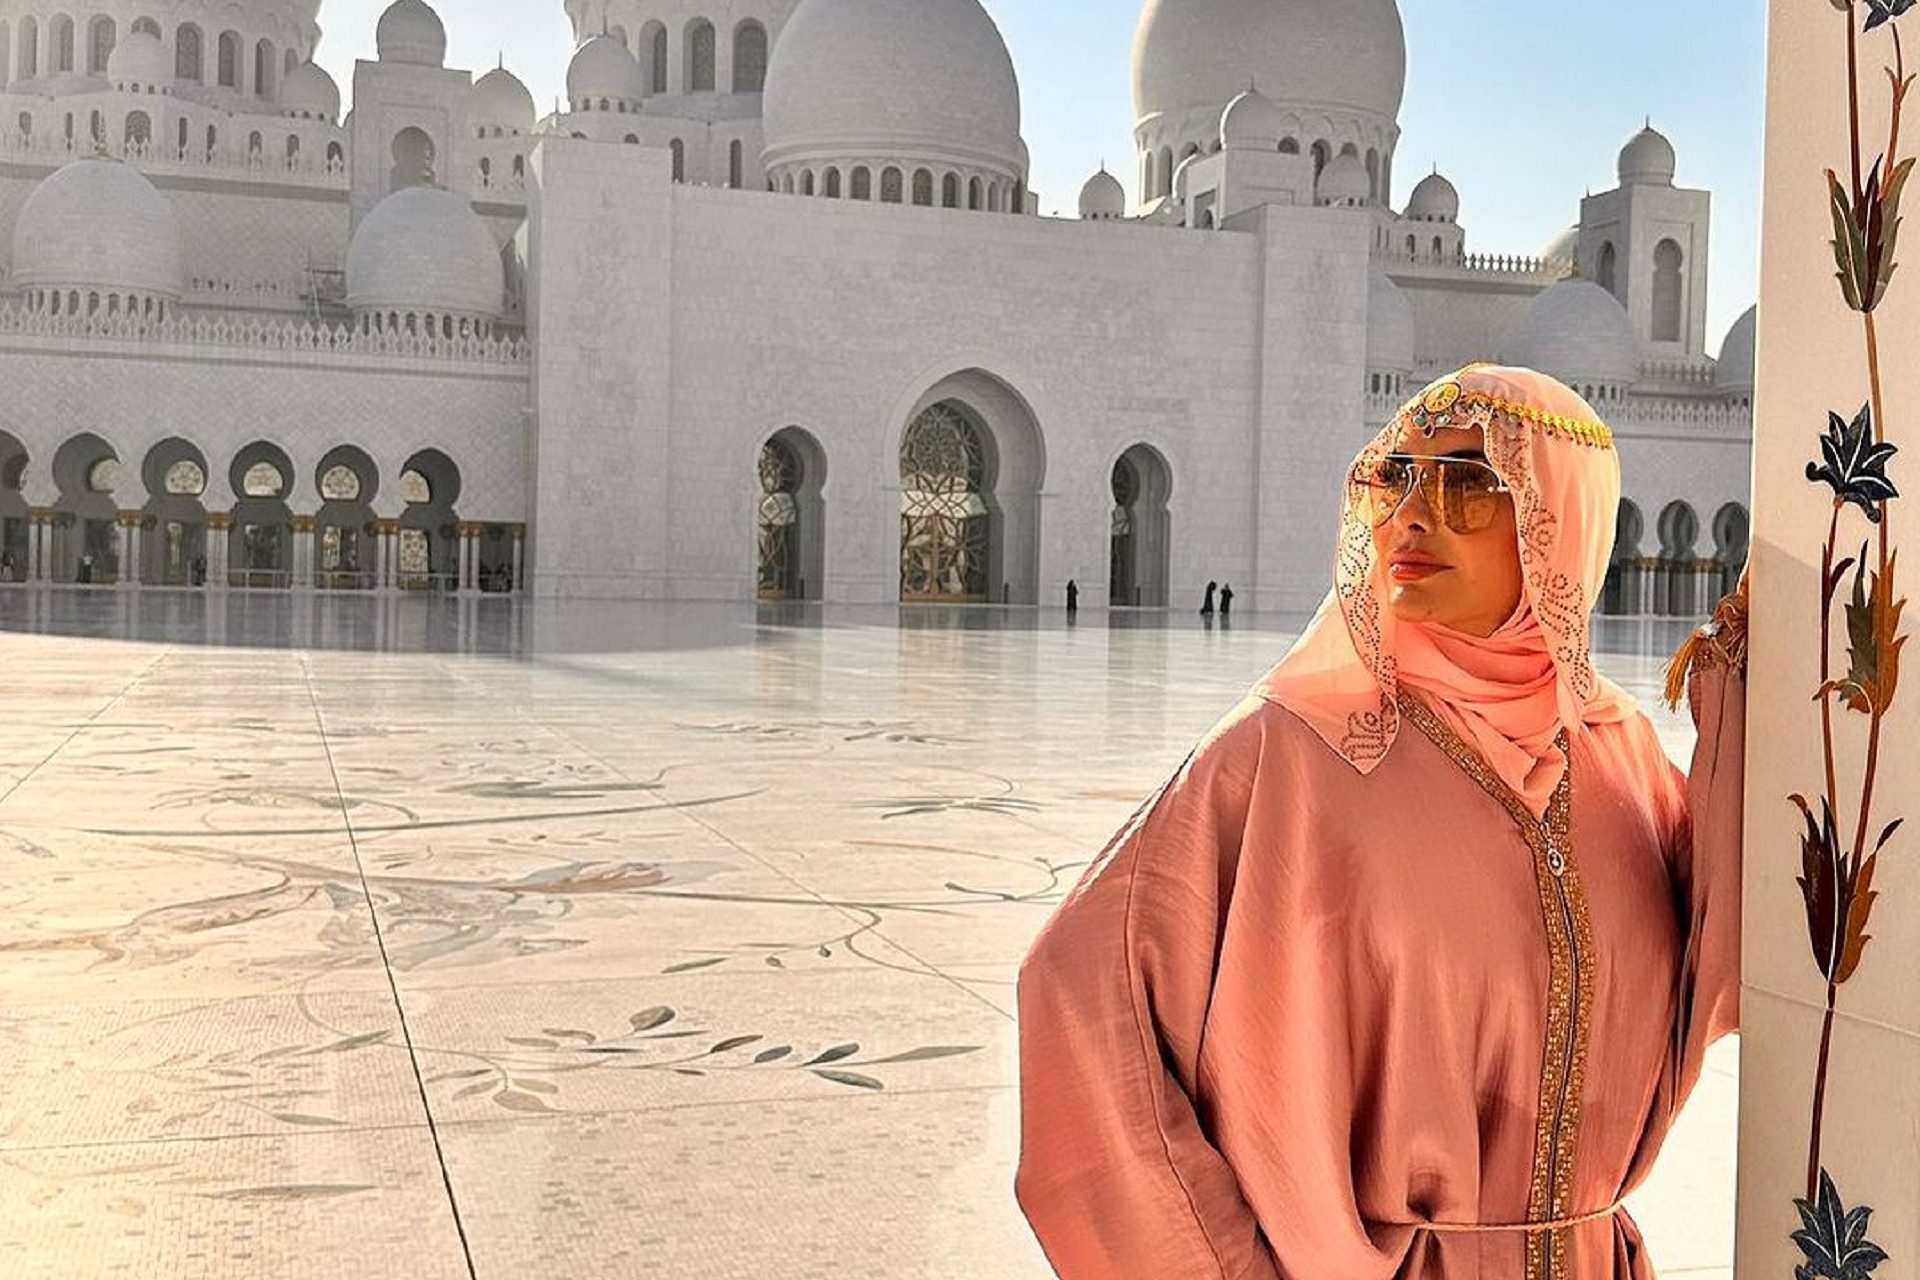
(1463, 493)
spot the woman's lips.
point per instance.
(1413, 570)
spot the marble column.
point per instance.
(303, 553)
(218, 524)
(129, 572)
(37, 540)
(1830, 1022)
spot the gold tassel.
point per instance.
(1681, 665)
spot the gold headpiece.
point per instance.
(1445, 403)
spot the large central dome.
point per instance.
(1331, 53)
(921, 79)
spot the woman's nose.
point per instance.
(1413, 512)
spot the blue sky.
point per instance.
(1523, 103)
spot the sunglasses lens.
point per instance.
(1469, 496)
(1380, 488)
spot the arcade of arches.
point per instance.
(1680, 578)
(152, 525)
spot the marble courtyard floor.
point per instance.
(434, 938)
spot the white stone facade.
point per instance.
(620, 352)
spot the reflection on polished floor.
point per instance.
(420, 938)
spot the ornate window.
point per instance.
(186, 479)
(340, 484)
(414, 487)
(263, 480)
(103, 475)
(943, 513)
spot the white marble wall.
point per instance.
(678, 327)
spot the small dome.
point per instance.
(1648, 157)
(98, 223)
(1343, 54)
(309, 89)
(911, 79)
(1434, 200)
(140, 59)
(410, 31)
(1565, 247)
(1733, 371)
(1576, 331)
(602, 68)
(501, 101)
(424, 249)
(1391, 330)
(1103, 197)
(1252, 123)
(1344, 178)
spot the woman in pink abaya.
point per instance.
(1408, 968)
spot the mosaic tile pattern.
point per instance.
(421, 938)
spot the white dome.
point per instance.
(1330, 53)
(500, 100)
(1565, 246)
(1576, 331)
(1103, 197)
(1733, 372)
(1391, 330)
(1344, 178)
(602, 68)
(915, 79)
(424, 249)
(98, 223)
(140, 59)
(1434, 199)
(1252, 123)
(410, 31)
(309, 88)
(1647, 157)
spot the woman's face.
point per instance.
(1467, 581)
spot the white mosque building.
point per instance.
(766, 309)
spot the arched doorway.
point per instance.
(429, 540)
(789, 533)
(1621, 592)
(413, 157)
(1139, 541)
(260, 542)
(343, 551)
(945, 525)
(972, 464)
(1731, 530)
(1679, 528)
(15, 541)
(86, 534)
(173, 524)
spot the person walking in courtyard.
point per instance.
(1206, 606)
(1073, 596)
(1407, 969)
(1226, 602)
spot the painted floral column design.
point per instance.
(1845, 817)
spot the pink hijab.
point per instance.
(1508, 694)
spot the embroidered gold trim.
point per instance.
(1569, 984)
(1446, 404)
